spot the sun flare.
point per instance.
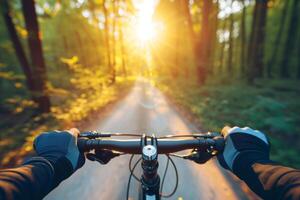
(145, 28)
(145, 31)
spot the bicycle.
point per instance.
(204, 146)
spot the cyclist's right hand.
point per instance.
(243, 147)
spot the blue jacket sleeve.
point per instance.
(33, 180)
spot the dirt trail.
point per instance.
(145, 110)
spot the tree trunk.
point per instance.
(214, 21)
(80, 48)
(188, 18)
(298, 58)
(184, 8)
(222, 48)
(17, 45)
(203, 45)
(243, 39)
(274, 55)
(290, 42)
(176, 65)
(123, 50)
(92, 7)
(107, 43)
(36, 54)
(257, 40)
(115, 9)
(177, 69)
(230, 48)
(65, 44)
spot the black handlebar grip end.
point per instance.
(219, 144)
(82, 145)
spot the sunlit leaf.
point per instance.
(70, 61)
(18, 110)
(18, 85)
(22, 31)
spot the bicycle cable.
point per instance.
(164, 176)
(169, 159)
(177, 179)
(130, 176)
(131, 170)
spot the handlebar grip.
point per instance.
(82, 145)
(219, 144)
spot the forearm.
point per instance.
(246, 154)
(34, 180)
(270, 180)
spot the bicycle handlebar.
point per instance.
(164, 146)
(204, 146)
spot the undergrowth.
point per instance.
(88, 92)
(272, 107)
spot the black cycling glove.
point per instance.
(60, 149)
(243, 147)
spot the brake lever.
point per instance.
(203, 156)
(198, 157)
(103, 156)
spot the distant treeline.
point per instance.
(199, 39)
(244, 39)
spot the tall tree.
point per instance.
(203, 45)
(222, 47)
(121, 40)
(243, 38)
(184, 9)
(114, 43)
(291, 40)
(274, 55)
(107, 38)
(188, 18)
(230, 47)
(80, 48)
(257, 40)
(178, 40)
(36, 55)
(93, 6)
(298, 59)
(123, 50)
(213, 18)
(17, 45)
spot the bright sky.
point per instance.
(145, 27)
(144, 30)
(226, 8)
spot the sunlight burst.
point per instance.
(145, 31)
(145, 27)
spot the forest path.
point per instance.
(145, 110)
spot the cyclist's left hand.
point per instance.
(58, 145)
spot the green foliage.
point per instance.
(273, 111)
(16, 139)
(78, 78)
(91, 92)
(75, 53)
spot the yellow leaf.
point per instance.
(18, 85)
(18, 110)
(22, 31)
(69, 61)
